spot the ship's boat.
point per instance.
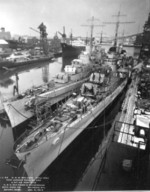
(47, 140)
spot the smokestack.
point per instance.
(3, 29)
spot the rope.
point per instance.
(76, 128)
(18, 111)
(62, 139)
(99, 173)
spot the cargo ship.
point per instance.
(72, 50)
(48, 140)
(21, 60)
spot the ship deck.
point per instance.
(16, 110)
(49, 150)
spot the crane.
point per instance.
(43, 37)
(64, 36)
(35, 30)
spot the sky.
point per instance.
(17, 16)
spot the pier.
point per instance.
(122, 159)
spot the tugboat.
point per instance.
(47, 141)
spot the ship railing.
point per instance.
(24, 135)
(124, 133)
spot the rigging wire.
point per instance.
(99, 172)
(104, 156)
(18, 111)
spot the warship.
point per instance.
(60, 127)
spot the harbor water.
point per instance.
(68, 169)
(28, 77)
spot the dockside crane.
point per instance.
(43, 37)
(34, 30)
(64, 36)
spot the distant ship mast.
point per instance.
(117, 23)
(101, 35)
(92, 25)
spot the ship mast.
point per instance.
(64, 37)
(117, 23)
(92, 25)
(101, 35)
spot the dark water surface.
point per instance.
(28, 76)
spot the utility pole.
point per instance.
(117, 23)
(92, 25)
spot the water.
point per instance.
(66, 171)
(28, 77)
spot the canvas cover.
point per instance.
(143, 121)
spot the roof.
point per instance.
(143, 121)
(3, 42)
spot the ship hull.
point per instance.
(9, 64)
(46, 153)
(55, 95)
(69, 51)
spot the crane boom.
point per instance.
(34, 30)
